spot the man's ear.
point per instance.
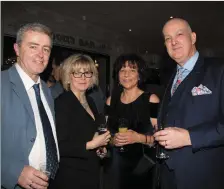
(16, 48)
(193, 38)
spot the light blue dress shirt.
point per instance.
(186, 69)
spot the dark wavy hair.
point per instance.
(133, 60)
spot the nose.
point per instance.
(173, 41)
(41, 53)
(126, 73)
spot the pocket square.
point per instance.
(200, 90)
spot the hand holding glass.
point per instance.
(122, 128)
(43, 170)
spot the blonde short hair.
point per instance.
(73, 64)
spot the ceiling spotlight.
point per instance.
(129, 30)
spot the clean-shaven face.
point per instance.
(33, 52)
(179, 40)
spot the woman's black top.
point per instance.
(119, 167)
(79, 168)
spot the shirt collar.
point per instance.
(189, 65)
(27, 81)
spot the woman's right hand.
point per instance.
(100, 140)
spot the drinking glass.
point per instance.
(122, 128)
(101, 130)
(160, 150)
(43, 169)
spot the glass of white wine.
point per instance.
(122, 128)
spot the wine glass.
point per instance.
(122, 128)
(160, 150)
(102, 128)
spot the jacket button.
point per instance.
(32, 139)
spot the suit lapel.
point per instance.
(166, 100)
(19, 89)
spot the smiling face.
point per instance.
(33, 53)
(128, 76)
(179, 40)
(79, 81)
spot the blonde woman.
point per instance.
(76, 123)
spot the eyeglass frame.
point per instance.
(82, 73)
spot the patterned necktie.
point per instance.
(51, 150)
(179, 80)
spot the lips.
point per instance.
(39, 61)
(126, 81)
(177, 48)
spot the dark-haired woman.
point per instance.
(140, 109)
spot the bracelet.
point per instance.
(146, 139)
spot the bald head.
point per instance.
(178, 20)
(179, 40)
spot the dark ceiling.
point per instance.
(147, 18)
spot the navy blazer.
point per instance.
(18, 130)
(200, 166)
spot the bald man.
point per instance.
(193, 114)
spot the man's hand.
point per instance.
(30, 178)
(173, 137)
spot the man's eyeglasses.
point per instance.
(79, 74)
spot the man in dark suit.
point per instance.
(193, 113)
(27, 114)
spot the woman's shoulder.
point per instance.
(150, 97)
(64, 98)
(153, 98)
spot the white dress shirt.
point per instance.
(37, 155)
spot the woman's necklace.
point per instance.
(84, 103)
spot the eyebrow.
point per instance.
(32, 43)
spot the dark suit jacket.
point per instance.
(200, 166)
(18, 130)
(79, 168)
